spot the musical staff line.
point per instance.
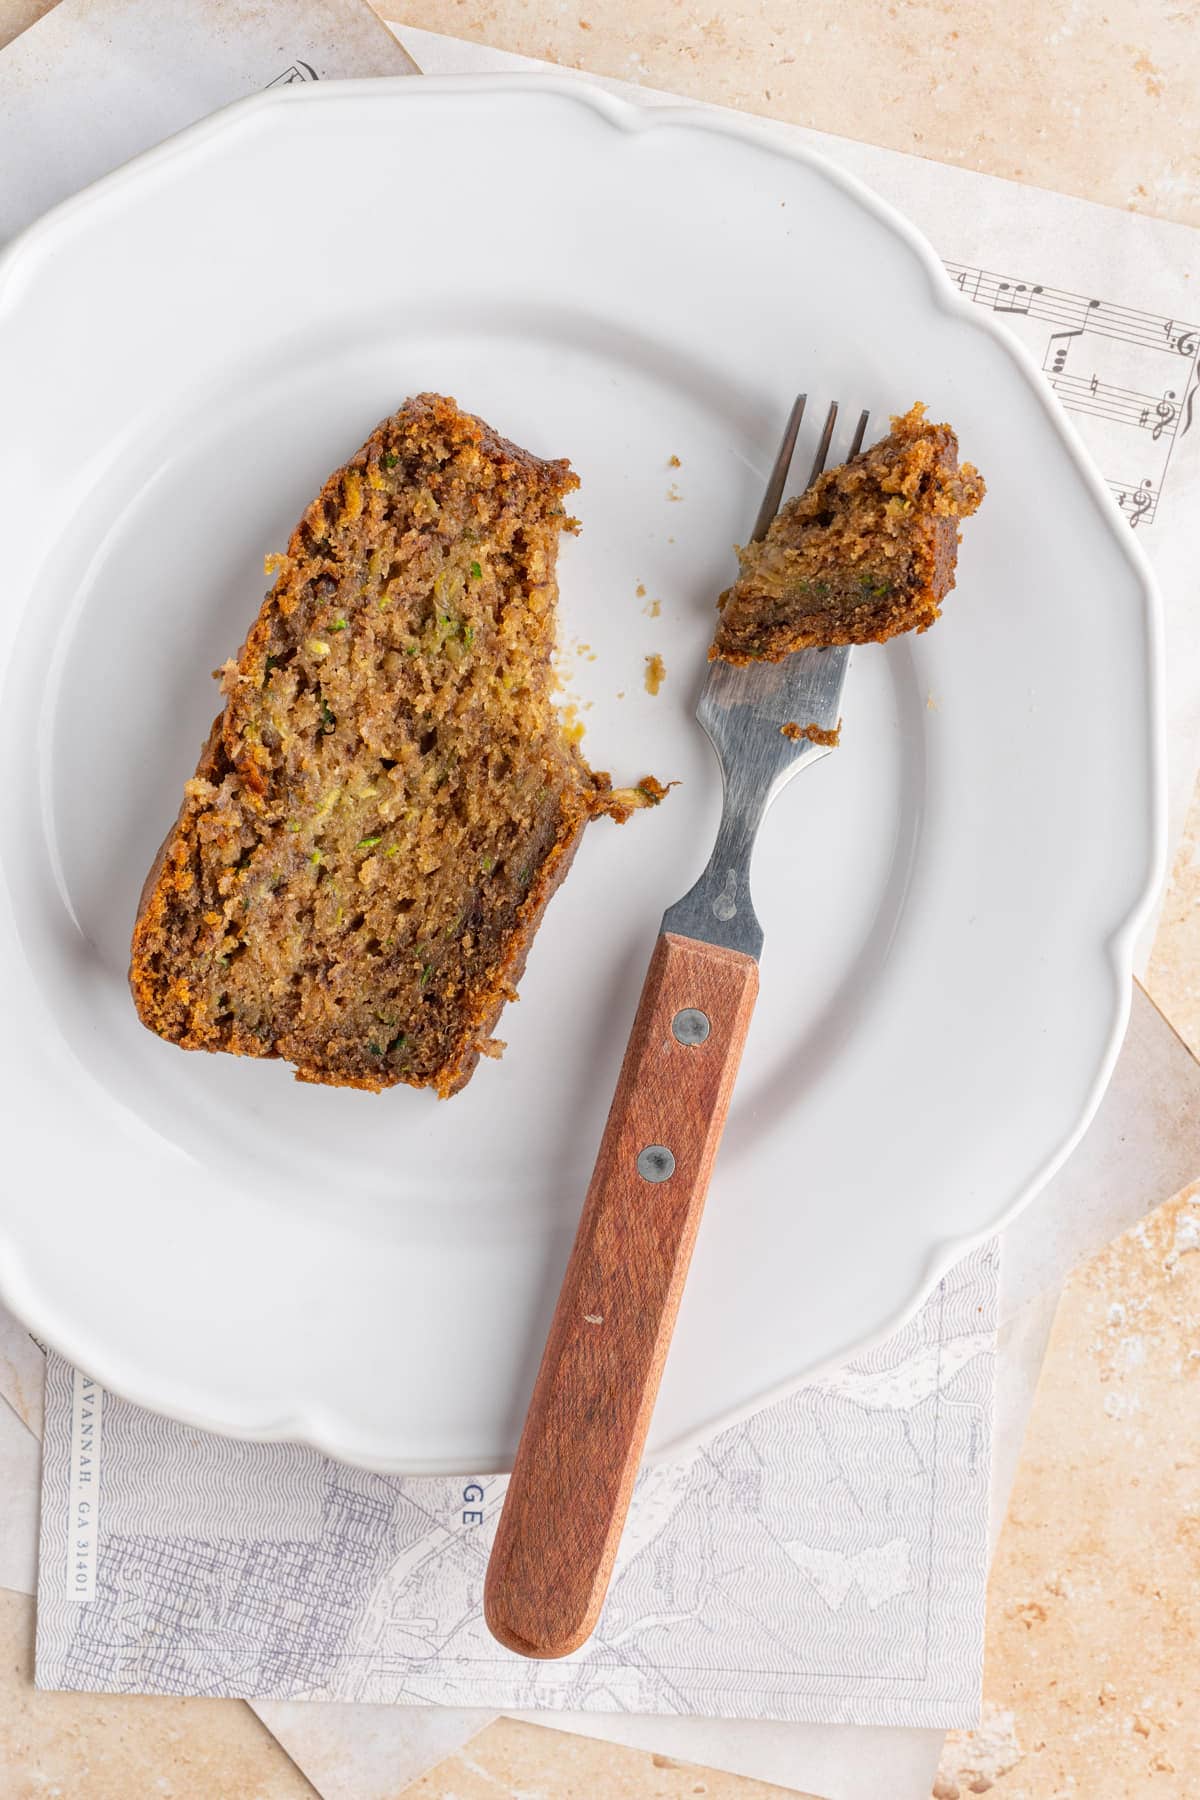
(1155, 413)
(1128, 324)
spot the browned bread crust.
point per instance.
(388, 799)
(867, 552)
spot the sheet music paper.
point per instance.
(1128, 376)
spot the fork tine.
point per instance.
(826, 440)
(783, 459)
(779, 473)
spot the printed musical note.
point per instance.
(1014, 299)
(1058, 348)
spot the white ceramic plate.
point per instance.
(186, 350)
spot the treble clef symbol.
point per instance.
(1166, 410)
(1140, 502)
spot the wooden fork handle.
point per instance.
(595, 1390)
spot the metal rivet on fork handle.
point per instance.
(690, 1025)
(655, 1163)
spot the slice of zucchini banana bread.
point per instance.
(867, 552)
(389, 798)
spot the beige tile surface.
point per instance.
(15, 15)
(1094, 99)
(99, 1747)
(20, 1494)
(22, 1372)
(530, 1762)
(361, 1752)
(1094, 1606)
(1173, 977)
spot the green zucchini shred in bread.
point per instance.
(389, 797)
(867, 552)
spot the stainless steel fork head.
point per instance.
(744, 711)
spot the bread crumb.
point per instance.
(673, 492)
(816, 734)
(573, 726)
(656, 670)
(930, 703)
(674, 463)
(653, 610)
(640, 590)
(621, 803)
(593, 1318)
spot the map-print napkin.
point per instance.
(823, 1561)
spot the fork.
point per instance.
(587, 1421)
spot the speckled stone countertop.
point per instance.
(1094, 99)
(1094, 1607)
